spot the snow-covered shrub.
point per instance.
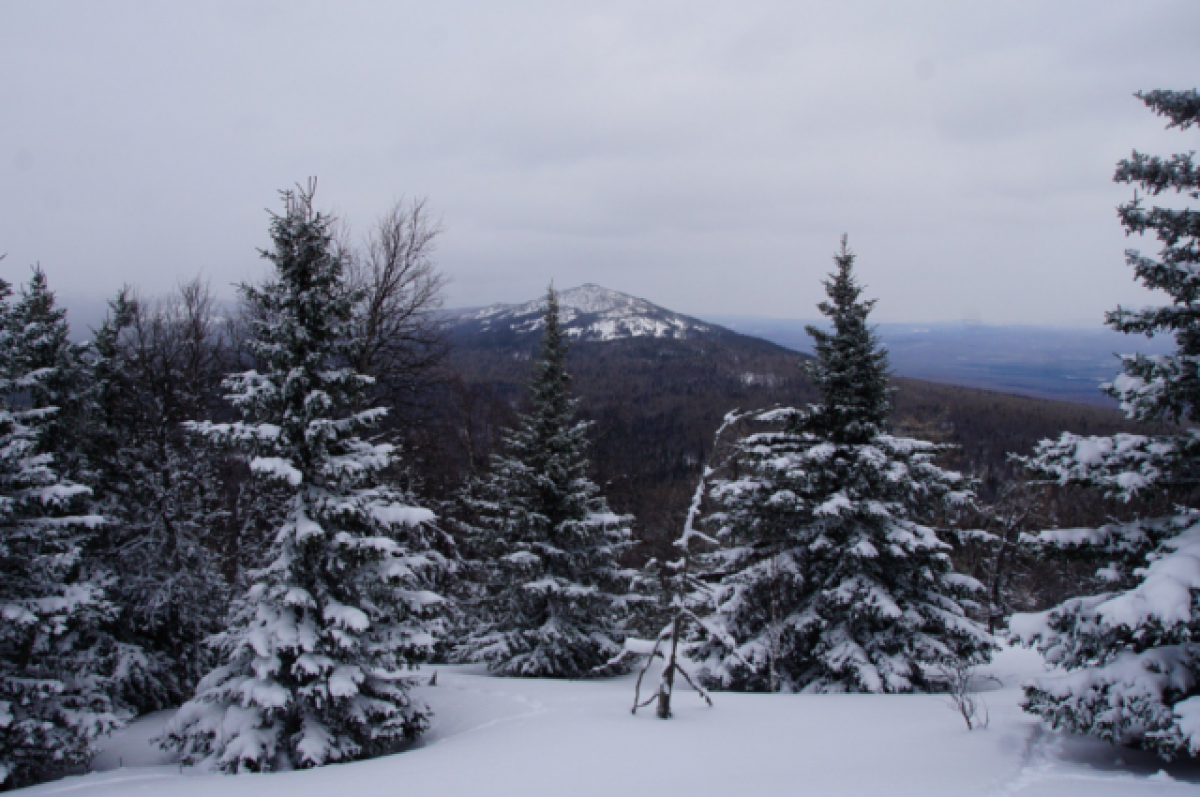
(829, 576)
(555, 600)
(313, 666)
(678, 592)
(1131, 652)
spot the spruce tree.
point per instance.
(42, 346)
(313, 667)
(69, 384)
(829, 575)
(850, 370)
(1132, 651)
(54, 701)
(556, 599)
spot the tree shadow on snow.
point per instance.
(1111, 759)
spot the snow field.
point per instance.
(541, 738)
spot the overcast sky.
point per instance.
(705, 156)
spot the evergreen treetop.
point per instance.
(1163, 387)
(54, 371)
(851, 367)
(550, 443)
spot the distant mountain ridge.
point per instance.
(589, 313)
(656, 384)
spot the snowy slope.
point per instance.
(536, 738)
(589, 313)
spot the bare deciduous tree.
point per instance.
(159, 364)
(1018, 510)
(963, 698)
(679, 586)
(398, 336)
(1000, 550)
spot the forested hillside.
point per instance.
(655, 401)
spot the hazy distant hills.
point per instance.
(1066, 363)
(656, 383)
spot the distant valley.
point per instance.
(1064, 363)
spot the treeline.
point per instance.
(134, 523)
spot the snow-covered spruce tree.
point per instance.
(1133, 653)
(556, 600)
(68, 382)
(829, 576)
(155, 366)
(53, 693)
(314, 662)
(42, 346)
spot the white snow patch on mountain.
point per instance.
(750, 379)
(593, 313)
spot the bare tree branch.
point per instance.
(399, 335)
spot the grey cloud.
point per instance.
(705, 155)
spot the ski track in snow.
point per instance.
(1036, 762)
(443, 734)
(1044, 770)
(67, 786)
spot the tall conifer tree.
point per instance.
(314, 666)
(1133, 651)
(556, 598)
(42, 347)
(850, 370)
(829, 576)
(54, 701)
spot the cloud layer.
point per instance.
(706, 156)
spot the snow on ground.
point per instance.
(133, 748)
(531, 738)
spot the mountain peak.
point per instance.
(591, 312)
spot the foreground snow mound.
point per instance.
(527, 737)
(1134, 665)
